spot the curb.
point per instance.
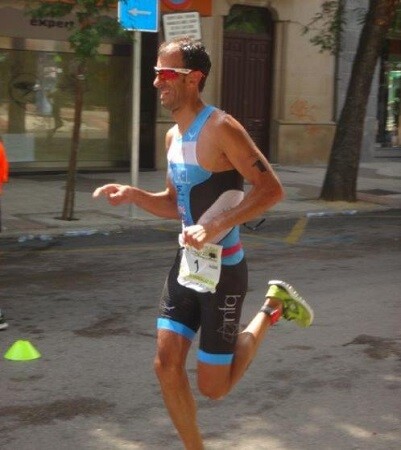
(72, 229)
(380, 200)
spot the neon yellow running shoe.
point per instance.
(294, 306)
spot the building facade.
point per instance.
(264, 71)
(271, 78)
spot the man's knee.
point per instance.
(166, 371)
(213, 392)
(172, 350)
(161, 366)
(212, 388)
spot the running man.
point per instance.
(209, 155)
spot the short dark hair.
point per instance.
(194, 55)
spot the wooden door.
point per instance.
(247, 81)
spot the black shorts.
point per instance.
(184, 311)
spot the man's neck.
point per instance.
(186, 115)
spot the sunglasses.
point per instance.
(171, 73)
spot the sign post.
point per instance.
(136, 115)
(137, 16)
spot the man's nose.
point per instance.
(157, 81)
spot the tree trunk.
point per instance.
(69, 198)
(342, 172)
(16, 111)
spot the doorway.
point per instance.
(247, 70)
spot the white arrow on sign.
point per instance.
(139, 12)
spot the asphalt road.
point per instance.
(89, 305)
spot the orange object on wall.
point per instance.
(203, 7)
(3, 165)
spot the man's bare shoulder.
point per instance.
(223, 122)
(221, 118)
(226, 130)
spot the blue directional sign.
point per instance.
(139, 15)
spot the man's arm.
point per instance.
(161, 204)
(239, 152)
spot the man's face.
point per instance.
(172, 86)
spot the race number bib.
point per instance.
(200, 269)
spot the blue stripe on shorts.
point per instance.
(179, 328)
(215, 359)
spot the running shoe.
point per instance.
(3, 323)
(294, 306)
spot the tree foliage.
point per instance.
(327, 26)
(91, 26)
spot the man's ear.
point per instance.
(196, 77)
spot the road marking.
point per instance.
(297, 231)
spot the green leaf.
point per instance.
(49, 10)
(91, 23)
(327, 26)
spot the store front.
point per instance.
(37, 105)
(37, 98)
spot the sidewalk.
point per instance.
(31, 203)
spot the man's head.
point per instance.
(193, 56)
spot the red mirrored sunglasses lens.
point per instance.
(167, 74)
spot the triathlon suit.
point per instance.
(201, 195)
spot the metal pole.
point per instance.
(136, 115)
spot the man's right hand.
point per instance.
(116, 194)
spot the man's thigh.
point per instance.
(214, 381)
(220, 317)
(172, 348)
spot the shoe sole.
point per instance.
(294, 294)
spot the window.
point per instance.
(37, 107)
